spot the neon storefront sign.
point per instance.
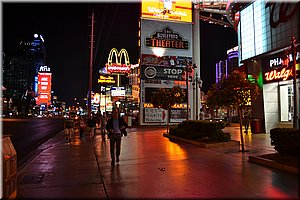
(278, 75)
(117, 66)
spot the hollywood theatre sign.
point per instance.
(166, 38)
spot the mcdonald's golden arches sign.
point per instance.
(117, 66)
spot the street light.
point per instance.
(197, 82)
(188, 69)
(296, 110)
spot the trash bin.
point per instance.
(9, 159)
(255, 126)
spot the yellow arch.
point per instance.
(118, 56)
(112, 52)
(123, 51)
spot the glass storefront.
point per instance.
(286, 103)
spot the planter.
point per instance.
(203, 144)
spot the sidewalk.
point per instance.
(62, 170)
(151, 166)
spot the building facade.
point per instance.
(264, 31)
(166, 44)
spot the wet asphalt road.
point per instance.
(28, 134)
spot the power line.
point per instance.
(108, 34)
(103, 19)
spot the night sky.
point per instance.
(65, 28)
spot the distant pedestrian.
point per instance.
(246, 121)
(116, 127)
(69, 129)
(81, 129)
(103, 122)
(91, 123)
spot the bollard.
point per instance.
(9, 161)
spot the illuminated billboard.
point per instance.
(166, 38)
(172, 10)
(118, 91)
(44, 88)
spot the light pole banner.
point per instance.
(166, 38)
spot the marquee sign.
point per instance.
(171, 61)
(118, 67)
(172, 10)
(167, 38)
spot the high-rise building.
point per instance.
(21, 68)
(225, 67)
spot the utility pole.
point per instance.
(296, 95)
(91, 68)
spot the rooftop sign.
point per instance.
(171, 10)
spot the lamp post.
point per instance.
(187, 70)
(197, 82)
(295, 88)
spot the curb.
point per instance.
(271, 163)
(202, 144)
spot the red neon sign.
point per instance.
(44, 88)
(118, 68)
(284, 74)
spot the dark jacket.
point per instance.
(110, 126)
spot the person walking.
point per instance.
(103, 122)
(69, 129)
(246, 121)
(91, 123)
(81, 128)
(116, 128)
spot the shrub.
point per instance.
(198, 129)
(285, 140)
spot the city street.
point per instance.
(28, 134)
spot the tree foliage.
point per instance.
(166, 98)
(233, 92)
